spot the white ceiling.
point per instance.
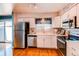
(39, 7)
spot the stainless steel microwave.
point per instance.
(70, 23)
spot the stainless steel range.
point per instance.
(61, 44)
(61, 40)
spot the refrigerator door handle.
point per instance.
(5, 42)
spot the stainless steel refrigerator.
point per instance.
(20, 37)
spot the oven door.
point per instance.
(61, 45)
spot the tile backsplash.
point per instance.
(32, 31)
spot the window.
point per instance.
(38, 20)
(48, 20)
(43, 25)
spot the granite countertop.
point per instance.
(72, 40)
(61, 35)
(41, 34)
(47, 34)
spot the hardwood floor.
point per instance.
(36, 52)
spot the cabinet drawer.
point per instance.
(74, 44)
(40, 42)
(72, 51)
(76, 51)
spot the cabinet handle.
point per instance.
(73, 54)
(74, 49)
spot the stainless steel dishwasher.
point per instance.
(32, 41)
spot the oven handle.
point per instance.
(61, 41)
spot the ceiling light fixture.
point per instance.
(34, 5)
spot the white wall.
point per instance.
(6, 8)
(31, 16)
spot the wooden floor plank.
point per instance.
(36, 52)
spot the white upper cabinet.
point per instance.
(78, 15)
(65, 17)
(32, 22)
(72, 15)
(57, 22)
(69, 16)
(27, 19)
(72, 12)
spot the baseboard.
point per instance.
(47, 48)
(32, 47)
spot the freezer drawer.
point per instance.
(19, 40)
(20, 26)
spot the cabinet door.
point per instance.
(69, 51)
(53, 41)
(72, 48)
(47, 42)
(69, 48)
(50, 42)
(57, 22)
(32, 22)
(40, 41)
(65, 17)
(77, 51)
(78, 15)
(72, 14)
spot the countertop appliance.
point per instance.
(60, 31)
(61, 44)
(21, 31)
(32, 41)
(70, 23)
(61, 40)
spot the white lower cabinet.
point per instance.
(72, 48)
(46, 41)
(40, 41)
(54, 41)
